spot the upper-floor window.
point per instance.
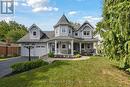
(86, 33)
(34, 33)
(63, 30)
(76, 34)
(69, 31)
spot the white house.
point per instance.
(66, 39)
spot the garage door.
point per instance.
(40, 50)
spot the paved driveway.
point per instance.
(5, 65)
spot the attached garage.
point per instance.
(37, 50)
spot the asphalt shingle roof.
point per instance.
(63, 21)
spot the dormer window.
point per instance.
(34, 33)
(86, 33)
(76, 34)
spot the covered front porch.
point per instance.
(71, 47)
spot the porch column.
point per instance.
(80, 47)
(55, 47)
(47, 48)
(72, 47)
(95, 44)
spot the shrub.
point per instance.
(119, 64)
(25, 66)
(128, 70)
(76, 52)
(77, 56)
(51, 54)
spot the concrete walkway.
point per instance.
(5, 65)
(50, 60)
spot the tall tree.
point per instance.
(115, 28)
(11, 31)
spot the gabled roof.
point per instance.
(86, 22)
(63, 21)
(34, 25)
(45, 37)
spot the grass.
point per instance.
(3, 59)
(94, 72)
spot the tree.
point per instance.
(11, 31)
(115, 28)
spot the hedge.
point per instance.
(25, 66)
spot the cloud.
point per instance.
(24, 4)
(39, 5)
(93, 20)
(72, 12)
(41, 9)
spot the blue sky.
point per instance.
(46, 13)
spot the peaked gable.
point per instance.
(34, 26)
(63, 20)
(86, 24)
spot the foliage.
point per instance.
(51, 54)
(11, 31)
(115, 28)
(76, 52)
(25, 66)
(128, 70)
(77, 56)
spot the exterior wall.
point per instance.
(58, 31)
(9, 51)
(38, 50)
(63, 50)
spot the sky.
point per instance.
(46, 13)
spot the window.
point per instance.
(42, 46)
(85, 33)
(63, 46)
(69, 31)
(38, 46)
(88, 32)
(63, 30)
(76, 34)
(34, 33)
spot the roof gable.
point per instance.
(86, 24)
(34, 26)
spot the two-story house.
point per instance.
(66, 39)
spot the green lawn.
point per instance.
(2, 59)
(94, 72)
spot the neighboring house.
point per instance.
(66, 39)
